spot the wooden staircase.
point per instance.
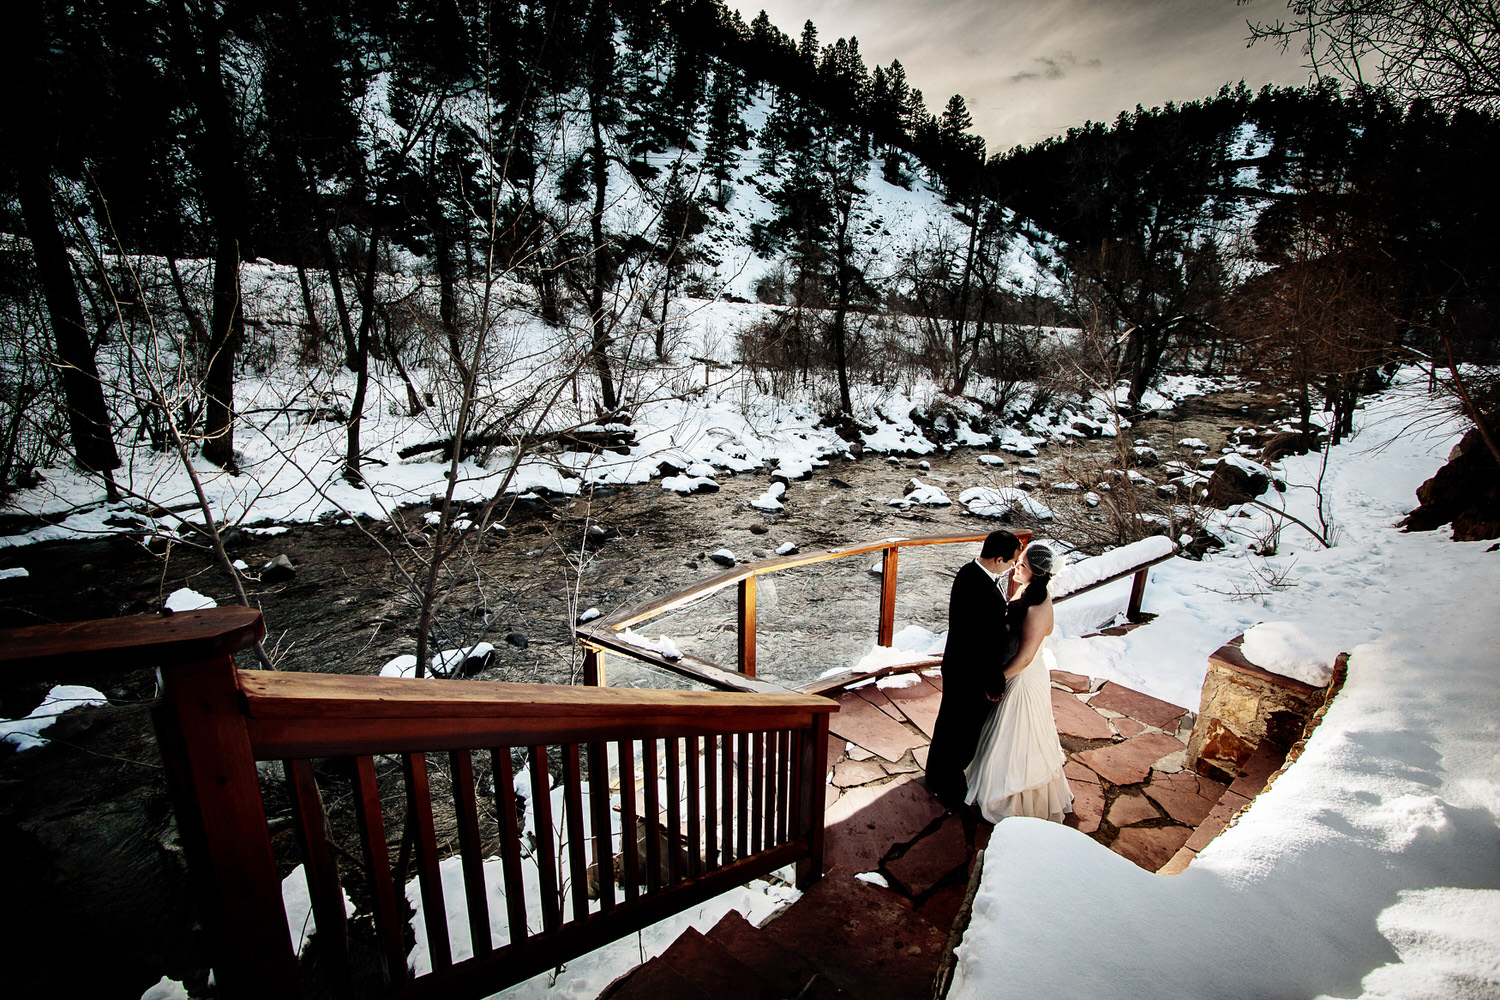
(842, 938)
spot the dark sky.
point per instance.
(1029, 69)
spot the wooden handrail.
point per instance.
(744, 797)
(602, 634)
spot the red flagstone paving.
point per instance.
(1213, 824)
(1130, 808)
(1186, 797)
(878, 698)
(931, 859)
(1074, 718)
(1128, 727)
(1088, 805)
(1151, 711)
(863, 724)
(1074, 682)
(1128, 763)
(1076, 772)
(1263, 763)
(919, 702)
(847, 773)
(865, 822)
(1151, 847)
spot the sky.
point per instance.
(1030, 69)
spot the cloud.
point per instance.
(1054, 67)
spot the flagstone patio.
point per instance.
(1126, 765)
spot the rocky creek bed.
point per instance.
(88, 846)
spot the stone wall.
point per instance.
(1244, 705)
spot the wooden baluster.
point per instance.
(695, 811)
(813, 772)
(578, 855)
(710, 803)
(727, 790)
(332, 938)
(604, 847)
(434, 915)
(768, 813)
(471, 850)
(788, 780)
(742, 768)
(652, 817)
(546, 840)
(674, 811)
(510, 842)
(887, 630)
(389, 923)
(757, 817)
(798, 747)
(629, 822)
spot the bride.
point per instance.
(1018, 768)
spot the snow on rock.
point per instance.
(991, 460)
(589, 615)
(166, 989)
(401, 666)
(991, 501)
(24, 734)
(786, 549)
(187, 599)
(770, 500)
(689, 484)
(14, 573)
(1283, 648)
(724, 557)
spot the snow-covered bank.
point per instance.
(1372, 866)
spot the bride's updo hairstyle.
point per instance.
(1042, 560)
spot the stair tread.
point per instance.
(867, 940)
(655, 981)
(787, 972)
(711, 967)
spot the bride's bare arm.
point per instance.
(1034, 629)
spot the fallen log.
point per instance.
(614, 439)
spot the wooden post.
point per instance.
(216, 790)
(593, 666)
(887, 631)
(1137, 594)
(747, 626)
(811, 774)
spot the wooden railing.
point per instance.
(365, 758)
(603, 634)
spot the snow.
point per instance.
(1283, 648)
(1371, 867)
(25, 733)
(187, 599)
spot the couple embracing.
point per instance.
(995, 744)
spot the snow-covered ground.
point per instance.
(1371, 868)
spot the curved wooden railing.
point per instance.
(742, 796)
(604, 634)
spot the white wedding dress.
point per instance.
(1018, 768)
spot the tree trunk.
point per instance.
(599, 324)
(352, 474)
(88, 417)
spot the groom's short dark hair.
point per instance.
(1000, 544)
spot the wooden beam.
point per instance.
(746, 624)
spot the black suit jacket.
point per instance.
(971, 671)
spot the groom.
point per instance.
(971, 665)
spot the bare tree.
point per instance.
(1446, 51)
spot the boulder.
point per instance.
(1464, 493)
(1232, 484)
(278, 569)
